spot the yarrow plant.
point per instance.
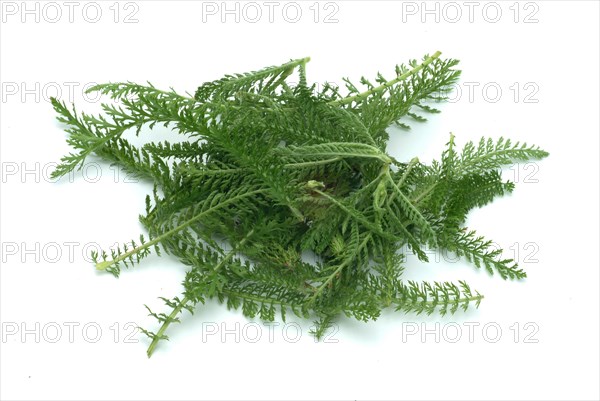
(279, 171)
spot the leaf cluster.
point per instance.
(276, 170)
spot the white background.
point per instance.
(552, 222)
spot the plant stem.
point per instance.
(422, 304)
(108, 263)
(386, 85)
(312, 163)
(409, 168)
(426, 192)
(161, 332)
(163, 328)
(330, 278)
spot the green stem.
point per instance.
(386, 85)
(355, 215)
(197, 171)
(376, 152)
(312, 163)
(382, 157)
(411, 164)
(161, 332)
(424, 193)
(256, 298)
(409, 168)
(330, 278)
(473, 298)
(108, 263)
